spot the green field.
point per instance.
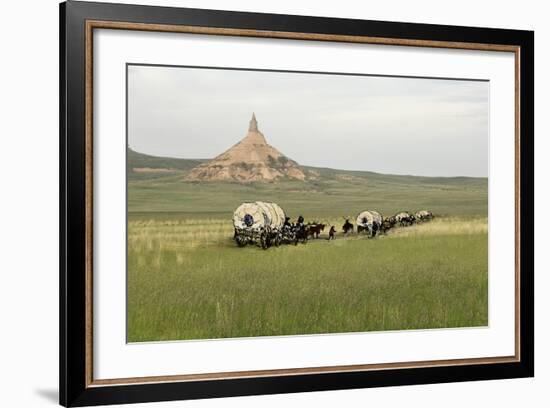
(188, 280)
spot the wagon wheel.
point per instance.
(241, 241)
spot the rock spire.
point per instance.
(250, 160)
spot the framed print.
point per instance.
(256, 203)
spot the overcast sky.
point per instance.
(388, 125)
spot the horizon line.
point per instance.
(317, 167)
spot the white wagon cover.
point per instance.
(263, 215)
(370, 216)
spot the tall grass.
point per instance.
(188, 280)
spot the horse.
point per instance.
(347, 227)
(405, 219)
(332, 233)
(386, 225)
(315, 229)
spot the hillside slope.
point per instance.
(324, 192)
(141, 165)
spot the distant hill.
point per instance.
(140, 160)
(141, 165)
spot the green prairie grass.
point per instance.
(188, 280)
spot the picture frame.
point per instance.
(79, 21)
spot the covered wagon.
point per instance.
(423, 215)
(258, 223)
(404, 218)
(369, 222)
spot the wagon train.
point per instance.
(266, 224)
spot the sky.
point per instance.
(392, 125)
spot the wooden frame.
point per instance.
(77, 22)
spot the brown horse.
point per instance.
(315, 229)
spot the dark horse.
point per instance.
(315, 229)
(347, 227)
(386, 225)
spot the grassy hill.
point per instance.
(138, 161)
(161, 188)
